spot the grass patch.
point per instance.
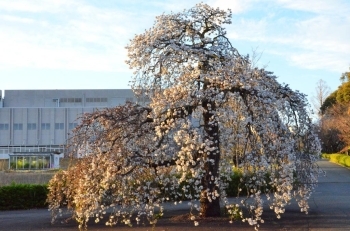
(26, 177)
(341, 159)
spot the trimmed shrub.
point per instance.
(23, 196)
(338, 159)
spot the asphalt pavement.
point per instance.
(329, 210)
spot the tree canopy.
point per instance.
(341, 95)
(334, 125)
(210, 113)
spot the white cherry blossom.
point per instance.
(210, 113)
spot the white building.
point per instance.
(34, 124)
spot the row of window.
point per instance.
(4, 126)
(30, 149)
(79, 100)
(96, 100)
(32, 126)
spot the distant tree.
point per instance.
(334, 132)
(329, 134)
(345, 76)
(329, 102)
(337, 120)
(322, 90)
(210, 110)
(341, 95)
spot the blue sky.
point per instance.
(80, 44)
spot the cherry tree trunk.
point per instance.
(210, 199)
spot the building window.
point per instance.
(30, 162)
(31, 126)
(96, 100)
(72, 125)
(59, 126)
(71, 100)
(45, 126)
(17, 126)
(4, 126)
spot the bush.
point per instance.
(338, 159)
(23, 196)
(235, 184)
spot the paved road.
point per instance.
(329, 210)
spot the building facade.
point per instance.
(35, 124)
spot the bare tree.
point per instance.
(329, 134)
(210, 110)
(338, 118)
(322, 91)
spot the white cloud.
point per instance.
(73, 34)
(83, 38)
(77, 35)
(11, 18)
(318, 40)
(314, 60)
(316, 6)
(236, 6)
(23, 54)
(172, 5)
(246, 29)
(35, 6)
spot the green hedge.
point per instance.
(338, 159)
(23, 196)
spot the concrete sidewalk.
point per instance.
(329, 210)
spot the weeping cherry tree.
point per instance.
(210, 113)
